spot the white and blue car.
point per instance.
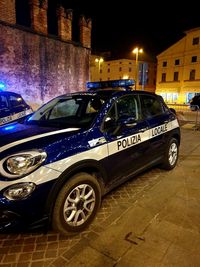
(57, 164)
(12, 107)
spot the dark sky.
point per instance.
(119, 26)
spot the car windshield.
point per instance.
(68, 111)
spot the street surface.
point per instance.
(152, 220)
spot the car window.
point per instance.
(151, 106)
(73, 111)
(62, 110)
(94, 105)
(15, 101)
(124, 108)
(3, 103)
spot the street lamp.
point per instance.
(136, 51)
(99, 60)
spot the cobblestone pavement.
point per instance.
(52, 249)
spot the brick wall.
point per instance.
(40, 67)
(7, 11)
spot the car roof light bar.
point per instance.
(125, 83)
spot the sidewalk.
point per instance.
(153, 220)
(161, 228)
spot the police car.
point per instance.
(56, 165)
(12, 107)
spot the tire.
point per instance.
(76, 204)
(171, 155)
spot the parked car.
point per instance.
(12, 107)
(195, 103)
(56, 166)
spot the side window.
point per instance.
(16, 101)
(151, 106)
(94, 105)
(127, 106)
(124, 108)
(3, 103)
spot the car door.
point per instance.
(158, 118)
(4, 110)
(126, 134)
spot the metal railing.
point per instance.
(195, 108)
(188, 113)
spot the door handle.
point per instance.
(143, 130)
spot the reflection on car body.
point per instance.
(12, 107)
(56, 165)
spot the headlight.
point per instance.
(22, 163)
(19, 191)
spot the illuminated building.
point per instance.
(178, 69)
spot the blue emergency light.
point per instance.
(124, 83)
(2, 86)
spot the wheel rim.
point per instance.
(79, 205)
(173, 153)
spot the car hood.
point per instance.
(15, 132)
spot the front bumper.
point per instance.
(29, 213)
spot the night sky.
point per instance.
(119, 26)
(125, 24)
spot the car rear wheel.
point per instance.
(171, 155)
(77, 204)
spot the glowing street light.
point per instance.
(99, 60)
(136, 51)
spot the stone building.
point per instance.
(37, 65)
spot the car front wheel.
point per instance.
(76, 204)
(171, 155)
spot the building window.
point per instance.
(194, 59)
(100, 71)
(177, 61)
(108, 64)
(170, 97)
(192, 75)
(195, 41)
(176, 76)
(109, 70)
(120, 68)
(129, 69)
(120, 62)
(130, 62)
(163, 78)
(164, 64)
